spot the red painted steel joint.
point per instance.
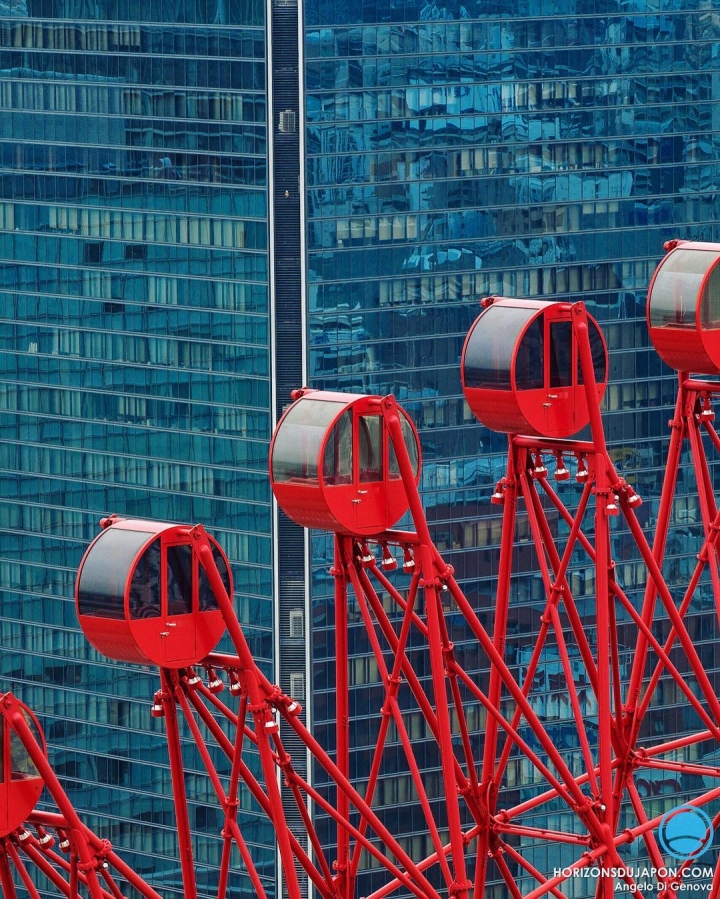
(430, 582)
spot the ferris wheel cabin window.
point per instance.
(711, 300)
(370, 448)
(21, 765)
(206, 597)
(338, 458)
(101, 590)
(561, 354)
(145, 585)
(597, 350)
(179, 579)
(488, 357)
(297, 445)
(529, 373)
(410, 445)
(676, 287)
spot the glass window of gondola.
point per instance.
(411, 447)
(145, 589)
(710, 304)
(489, 353)
(561, 354)
(296, 450)
(338, 459)
(21, 765)
(207, 599)
(370, 448)
(677, 287)
(101, 590)
(179, 573)
(599, 357)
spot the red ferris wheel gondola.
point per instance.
(85, 865)
(142, 596)
(333, 464)
(20, 781)
(521, 371)
(683, 307)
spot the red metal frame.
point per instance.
(86, 864)
(612, 656)
(483, 830)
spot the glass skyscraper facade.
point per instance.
(457, 150)
(135, 362)
(447, 151)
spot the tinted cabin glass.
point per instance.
(370, 447)
(710, 315)
(410, 444)
(338, 461)
(21, 765)
(101, 590)
(597, 349)
(529, 363)
(207, 597)
(676, 288)
(561, 354)
(489, 350)
(145, 591)
(297, 444)
(179, 579)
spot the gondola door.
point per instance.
(179, 601)
(560, 374)
(370, 476)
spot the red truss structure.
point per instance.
(85, 865)
(512, 800)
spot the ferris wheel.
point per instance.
(52, 847)
(543, 769)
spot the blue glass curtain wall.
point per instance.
(462, 149)
(134, 362)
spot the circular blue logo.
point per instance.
(685, 832)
